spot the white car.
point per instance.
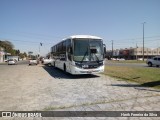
(140, 58)
(47, 61)
(154, 61)
(113, 59)
(33, 62)
(12, 62)
(5, 60)
(121, 59)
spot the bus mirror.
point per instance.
(93, 49)
(104, 49)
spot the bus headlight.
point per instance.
(78, 65)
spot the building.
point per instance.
(124, 53)
(13, 57)
(116, 53)
(137, 53)
(156, 51)
(134, 53)
(2, 54)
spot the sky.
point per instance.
(27, 23)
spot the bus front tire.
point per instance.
(64, 68)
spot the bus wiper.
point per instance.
(84, 56)
(96, 57)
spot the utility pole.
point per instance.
(39, 48)
(112, 48)
(136, 51)
(143, 39)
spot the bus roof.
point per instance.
(83, 36)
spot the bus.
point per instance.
(79, 54)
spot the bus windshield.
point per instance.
(88, 50)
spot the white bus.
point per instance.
(79, 54)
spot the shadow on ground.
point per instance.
(151, 84)
(57, 73)
(143, 86)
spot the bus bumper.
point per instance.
(75, 70)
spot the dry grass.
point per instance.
(145, 76)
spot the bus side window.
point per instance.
(68, 46)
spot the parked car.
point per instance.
(47, 61)
(5, 60)
(153, 61)
(12, 62)
(140, 59)
(113, 59)
(120, 59)
(33, 62)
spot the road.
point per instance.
(27, 88)
(22, 62)
(112, 63)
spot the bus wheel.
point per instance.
(64, 68)
(49, 64)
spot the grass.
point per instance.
(149, 77)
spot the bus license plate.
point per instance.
(89, 71)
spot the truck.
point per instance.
(155, 61)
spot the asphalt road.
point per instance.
(38, 87)
(112, 63)
(22, 62)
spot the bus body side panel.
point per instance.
(68, 66)
(59, 64)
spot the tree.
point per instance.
(21, 55)
(25, 54)
(17, 52)
(8, 46)
(13, 52)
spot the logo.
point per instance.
(6, 114)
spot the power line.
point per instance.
(117, 43)
(153, 40)
(26, 41)
(31, 34)
(60, 38)
(140, 38)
